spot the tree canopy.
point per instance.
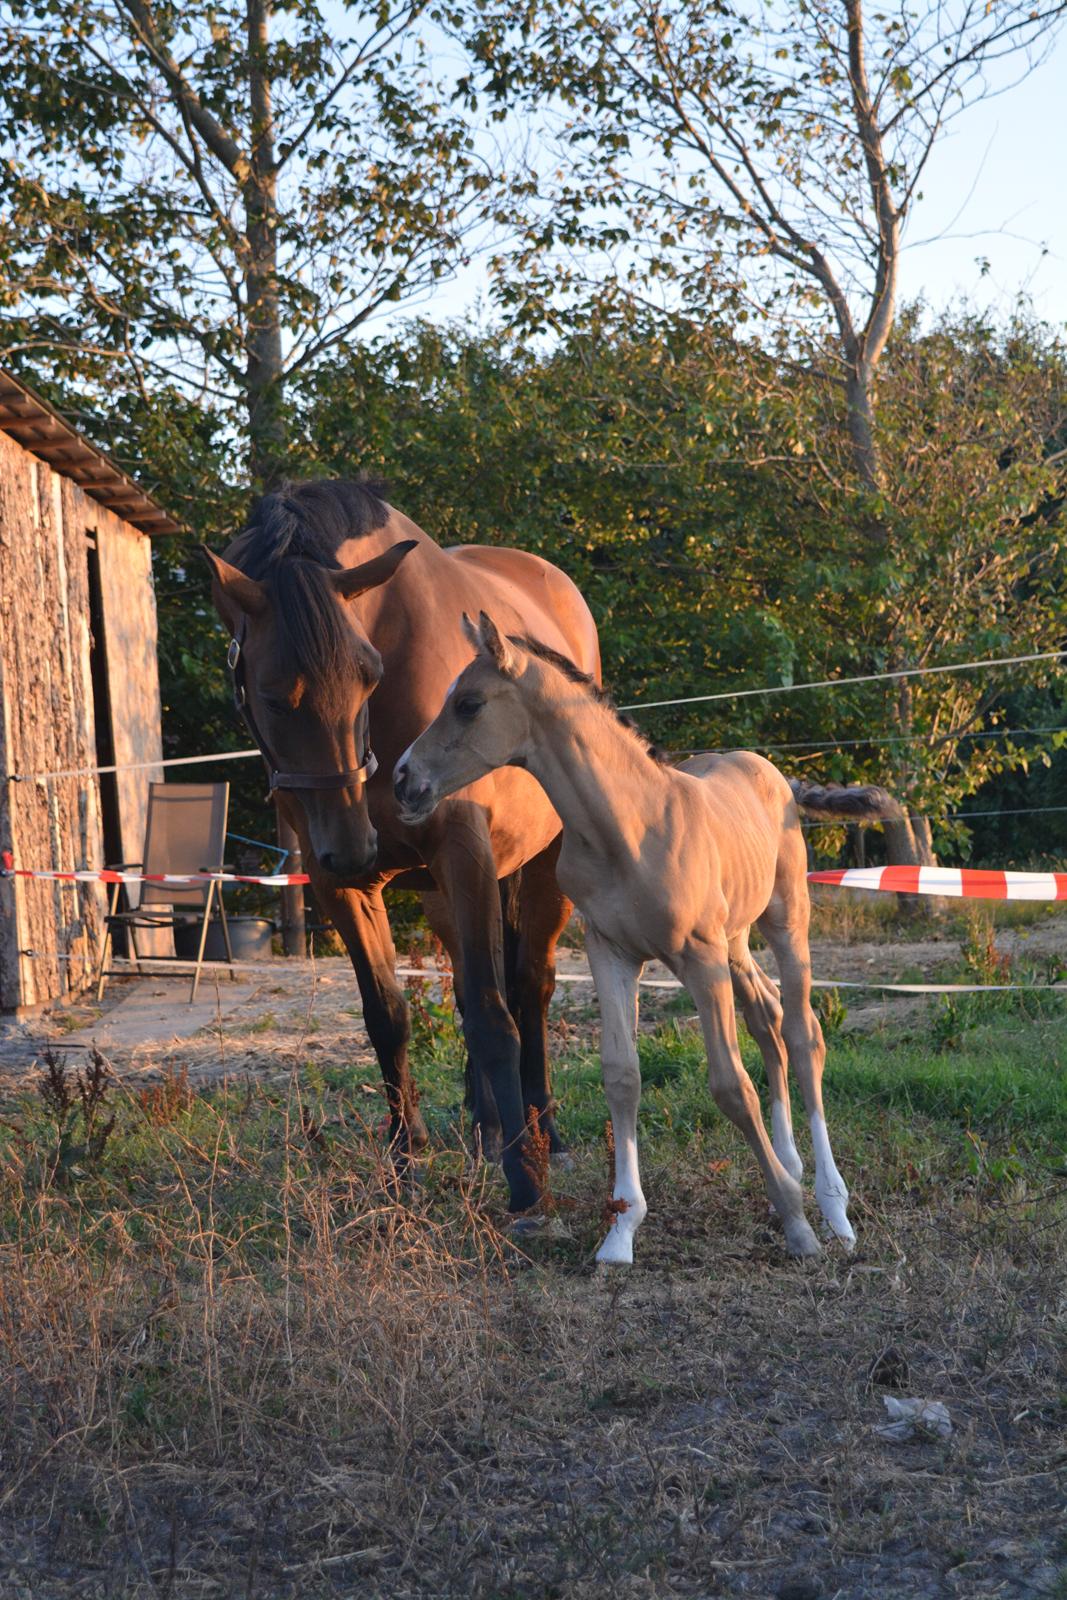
(760, 470)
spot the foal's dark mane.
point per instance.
(290, 546)
(602, 697)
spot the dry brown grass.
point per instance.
(236, 1361)
(228, 1378)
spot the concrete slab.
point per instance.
(158, 1014)
(274, 1019)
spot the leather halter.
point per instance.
(291, 780)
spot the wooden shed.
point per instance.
(79, 687)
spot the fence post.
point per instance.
(294, 939)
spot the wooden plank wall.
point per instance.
(129, 605)
(47, 724)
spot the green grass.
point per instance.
(983, 1064)
(976, 1071)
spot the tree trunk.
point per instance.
(263, 372)
(263, 369)
(908, 843)
(859, 402)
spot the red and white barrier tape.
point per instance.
(275, 880)
(969, 883)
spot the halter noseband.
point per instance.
(290, 780)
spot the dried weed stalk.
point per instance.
(164, 1102)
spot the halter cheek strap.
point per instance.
(291, 780)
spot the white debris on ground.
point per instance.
(911, 1419)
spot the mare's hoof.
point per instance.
(489, 1146)
(542, 1230)
(526, 1227)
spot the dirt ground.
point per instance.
(285, 1011)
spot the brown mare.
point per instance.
(345, 620)
(668, 865)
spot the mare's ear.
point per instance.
(232, 592)
(492, 644)
(357, 580)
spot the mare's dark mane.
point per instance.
(290, 546)
(308, 521)
(574, 674)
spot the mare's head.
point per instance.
(483, 724)
(302, 661)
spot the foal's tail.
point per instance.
(858, 802)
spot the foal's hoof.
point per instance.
(563, 1160)
(833, 1204)
(800, 1241)
(615, 1252)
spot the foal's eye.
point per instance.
(468, 707)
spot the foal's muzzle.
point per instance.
(413, 791)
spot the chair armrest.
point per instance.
(121, 866)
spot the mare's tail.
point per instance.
(855, 802)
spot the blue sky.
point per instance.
(996, 187)
(994, 192)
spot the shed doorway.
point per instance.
(105, 737)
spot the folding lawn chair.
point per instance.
(185, 832)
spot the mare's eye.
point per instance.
(278, 708)
(468, 707)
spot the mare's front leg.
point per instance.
(706, 974)
(464, 868)
(543, 914)
(616, 978)
(360, 917)
(487, 1139)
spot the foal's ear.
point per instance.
(492, 644)
(233, 593)
(357, 580)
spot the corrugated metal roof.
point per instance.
(42, 431)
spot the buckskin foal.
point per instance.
(331, 594)
(664, 863)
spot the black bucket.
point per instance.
(249, 936)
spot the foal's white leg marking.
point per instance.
(616, 986)
(830, 1190)
(782, 1139)
(763, 1016)
(807, 1055)
(708, 982)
